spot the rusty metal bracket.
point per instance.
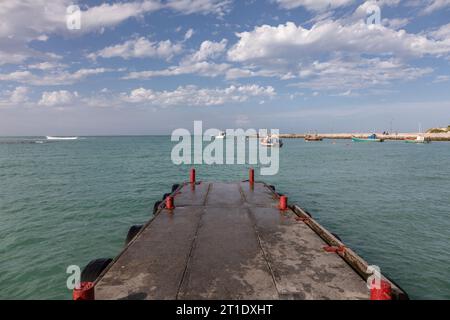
(333, 249)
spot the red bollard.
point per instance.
(283, 203)
(169, 203)
(251, 176)
(192, 176)
(382, 293)
(85, 292)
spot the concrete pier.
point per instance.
(230, 241)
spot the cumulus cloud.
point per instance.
(333, 53)
(57, 98)
(19, 95)
(209, 50)
(289, 40)
(44, 18)
(140, 48)
(15, 97)
(196, 63)
(194, 96)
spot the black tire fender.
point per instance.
(94, 268)
(156, 206)
(132, 232)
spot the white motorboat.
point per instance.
(61, 138)
(271, 141)
(222, 135)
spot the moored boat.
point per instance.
(222, 135)
(419, 139)
(315, 137)
(372, 138)
(271, 141)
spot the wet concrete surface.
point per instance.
(228, 241)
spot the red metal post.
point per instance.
(251, 176)
(283, 203)
(192, 176)
(86, 291)
(381, 292)
(169, 203)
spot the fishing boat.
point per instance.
(419, 139)
(271, 141)
(61, 138)
(222, 135)
(372, 138)
(314, 137)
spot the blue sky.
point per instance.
(151, 66)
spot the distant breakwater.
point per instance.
(394, 136)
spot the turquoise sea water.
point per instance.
(66, 203)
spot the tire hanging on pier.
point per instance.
(156, 206)
(132, 232)
(94, 268)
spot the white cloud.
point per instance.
(397, 23)
(47, 65)
(434, 5)
(288, 51)
(194, 96)
(356, 75)
(57, 98)
(291, 41)
(202, 68)
(441, 79)
(195, 63)
(189, 34)
(108, 15)
(19, 95)
(52, 78)
(218, 7)
(236, 73)
(140, 48)
(442, 33)
(209, 50)
(26, 20)
(314, 5)
(12, 57)
(13, 98)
